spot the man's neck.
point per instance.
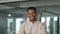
(33, 21)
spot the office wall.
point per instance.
(3, 25)
(59, 24)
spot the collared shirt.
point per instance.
(32, 28)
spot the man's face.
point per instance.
(32, 14)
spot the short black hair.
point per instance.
(31, 8)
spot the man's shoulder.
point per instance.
(41, 23)
(23, 24)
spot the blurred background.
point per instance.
(14, 12)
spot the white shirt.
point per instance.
(36, 28)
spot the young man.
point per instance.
(32, 26)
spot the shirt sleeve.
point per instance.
(21, 31)
(43, 29)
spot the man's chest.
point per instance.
(33, 29)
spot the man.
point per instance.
(32, 26)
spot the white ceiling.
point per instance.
(2, 1)
(39, 3)
(5, 7)
(31, 3)
(51, 5)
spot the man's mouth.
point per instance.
(32, 17)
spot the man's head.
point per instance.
(32, 13)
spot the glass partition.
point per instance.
(51, 21)
(11, 24)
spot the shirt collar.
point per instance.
(32, 23)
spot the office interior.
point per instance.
(14, 12)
